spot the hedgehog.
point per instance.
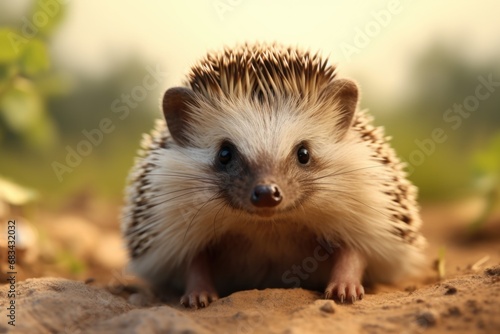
(265, 173)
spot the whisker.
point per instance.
(222, 206)
(352, 198)
(342, 172)
(184, 189)
(185, 176)
(215, 196)
(188, 192)
(312, 183)
(179, 196)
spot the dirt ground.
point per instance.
(100, 299)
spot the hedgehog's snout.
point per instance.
(266, 195)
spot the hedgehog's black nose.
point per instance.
(266, 195)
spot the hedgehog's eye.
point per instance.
(303, 155)
(225, 155)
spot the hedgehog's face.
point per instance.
(266, 158)
(265, 183)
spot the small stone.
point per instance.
(450, 290)
(89, 280)
(473, 306)
(427, 319)
(454, 311)
(327, 307)
(239, 316)
(493, 271)
(411, 288)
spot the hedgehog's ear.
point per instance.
(344, 93)
(177, 102)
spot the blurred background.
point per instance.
(80, 81)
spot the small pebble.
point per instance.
(493, 271)
(239, 316)
(472, 306)
(89, 280)
(450, 290)
(427, 319)
(410, 288)
(454, 311)
(327, 307)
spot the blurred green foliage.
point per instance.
(25, 67)
(439, 80)
(103, 171)
(486, 177)
(45, 108)
(486, 162)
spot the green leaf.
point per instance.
(21, 106)
(24, 112)
(35, 58)
(42, 134)
(487, 160)
(47, 15)
(11, 45)
(54, 84)
(7, 72)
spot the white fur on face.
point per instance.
(260, 128)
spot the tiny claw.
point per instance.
(330, 291)
(204, 300)
(193, 301)
(342, 297)
(353, 299)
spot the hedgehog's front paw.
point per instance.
(200, 291)
(344, 291)
(199, 298)
(346, 276)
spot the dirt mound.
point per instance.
(464, 304)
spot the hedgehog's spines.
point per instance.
(261, 70)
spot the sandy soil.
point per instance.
(466, 300)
